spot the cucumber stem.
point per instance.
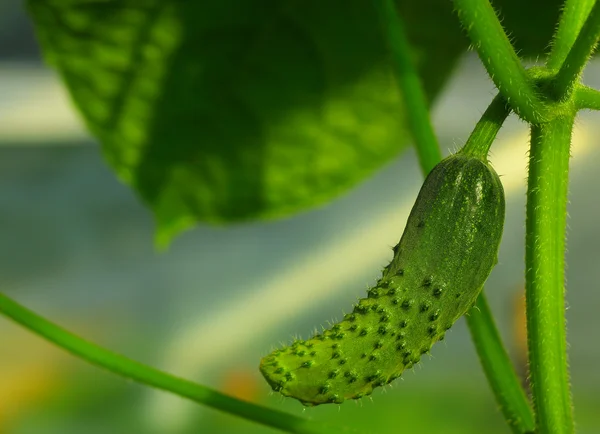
(482, 137)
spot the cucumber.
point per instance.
(448, 249)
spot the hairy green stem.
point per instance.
(545, 290)
(417, 111)
(570, 71)
(495, 361)
(141, 373)
(498, 369)
(482, 137)
(571, 21)
(500, 60)
(587, 98)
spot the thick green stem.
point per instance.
(500, 60)
(572, 19)
(417, 110)
(482, 137)
(587, 98)
(570, 71)
(545, 290)
(136, 371)
(498, 369)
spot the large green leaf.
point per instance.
(227, 110)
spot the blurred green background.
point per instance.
(77, 247)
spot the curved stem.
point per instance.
(496, 364)
(582, 49)
(499, 58)
(482, 137)
(545, 291)
(417, 110)
(141, 373)
(587, 98)
(571, 21)
(498, 369)
(493, 357)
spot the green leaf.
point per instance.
(231, 110)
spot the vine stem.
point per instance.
(417, 110)
(570, 71)
(571, 21)
(500, 60)
(141, 373)
(587, 98)
(498, 369)
(545, 263)
(493, 357)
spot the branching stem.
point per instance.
(500, 60)
(587, 98)
(570, 71)
(572, 19)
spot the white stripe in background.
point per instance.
(198, 349)
(35, 108)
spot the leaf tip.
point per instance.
(167, 230)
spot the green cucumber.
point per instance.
(448, 249)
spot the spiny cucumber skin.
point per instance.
(447, 251)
